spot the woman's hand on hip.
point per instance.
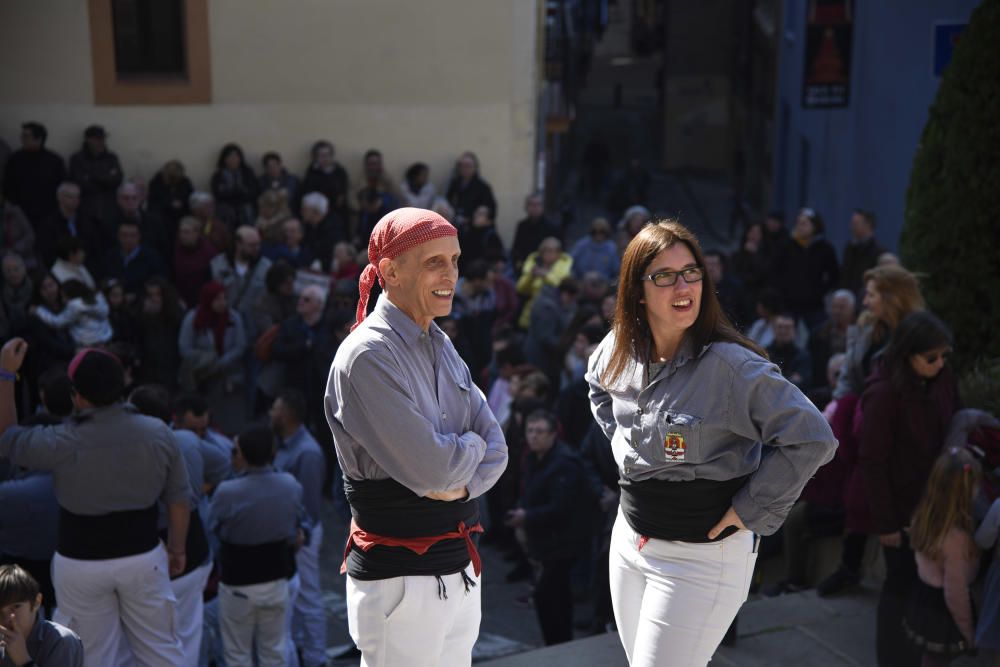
(730, 518)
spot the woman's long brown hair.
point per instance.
(947, 501)
(900, 292)
(631, 327)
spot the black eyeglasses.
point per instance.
(932, 357)
(692, 274)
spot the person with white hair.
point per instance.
(202, 205)
(830, 337)
(322, 227)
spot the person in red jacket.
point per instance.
(907, 407)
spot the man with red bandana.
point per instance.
(418, 445)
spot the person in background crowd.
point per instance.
(15, 297)
(323, 228)
(292, 248)
(888, 259)
(155, 235)
(861, 252)
(556, 529)
(299, 454)
(806, 269)
(794, 362)
(327, 177)
(120, 313)
(272, 211)
(475, 313)
(212, 228)
(775, 238)
(70, 264)
(276, 177)
(670, 333)
(345, 262)
(193, 255)
(258, 517)
(750, 262)
(988, 539)
(211, 342)
(235, 187)
(769, 304)
(243, 274)
(374, 178)
(479, 239)
(50, 346)
(441, 206)
(830, 337)
(32, 174)
(131, 261)
(112, 591)
(372, 207)
(18, 236)
(596, 252)
(85, 315)
(939, 618)
(551, 312)
(534, 228)
(29, 639)
(891, 293)
(546, 266)
(98, 173)
(67, 221)
(157, 323)
(907, 406)
(416, 189)
(169, 195)
(633, 220)
(735, 302)
(467, 191)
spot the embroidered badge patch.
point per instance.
(674, 447)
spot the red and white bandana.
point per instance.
(397, 232)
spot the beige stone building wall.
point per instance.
(418, 80)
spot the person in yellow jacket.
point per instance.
(546, 266)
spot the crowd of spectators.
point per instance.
(243, 289)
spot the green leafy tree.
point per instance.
(951, 232)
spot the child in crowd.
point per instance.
(939, 618)
(25, 637)
(988, 631)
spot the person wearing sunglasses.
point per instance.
(713, 447)
(907, 407)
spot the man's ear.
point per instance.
(389, 269)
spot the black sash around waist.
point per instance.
(386, 507)
(243, 565)
(679, 511)
(196, 547)
(106, 536)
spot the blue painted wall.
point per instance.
(859, 156)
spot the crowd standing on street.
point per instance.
(183, 314)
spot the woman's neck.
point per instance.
(665, 345)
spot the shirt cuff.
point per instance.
(754, 516)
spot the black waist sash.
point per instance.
(243, 565)
(680, 511)
(106, 536)
(386, 507)
(196, 546)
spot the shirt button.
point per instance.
(639, 411)
(444, 415)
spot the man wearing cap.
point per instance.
(110, 466)
(417, 445)
(98, 172)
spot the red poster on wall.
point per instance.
(827, 72)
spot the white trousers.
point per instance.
(309, 615)
(408, 621)
(674, 601)
(254, 614)
(122, 608)
(291, 654)
(189, 591)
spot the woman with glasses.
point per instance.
(712, 445)
(907, 407)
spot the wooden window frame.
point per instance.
(109, 90)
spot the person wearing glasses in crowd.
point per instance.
(907, 404)
(713, 447)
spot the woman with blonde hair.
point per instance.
(713, 447)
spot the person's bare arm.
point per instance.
(11, 358)
(178, 518)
